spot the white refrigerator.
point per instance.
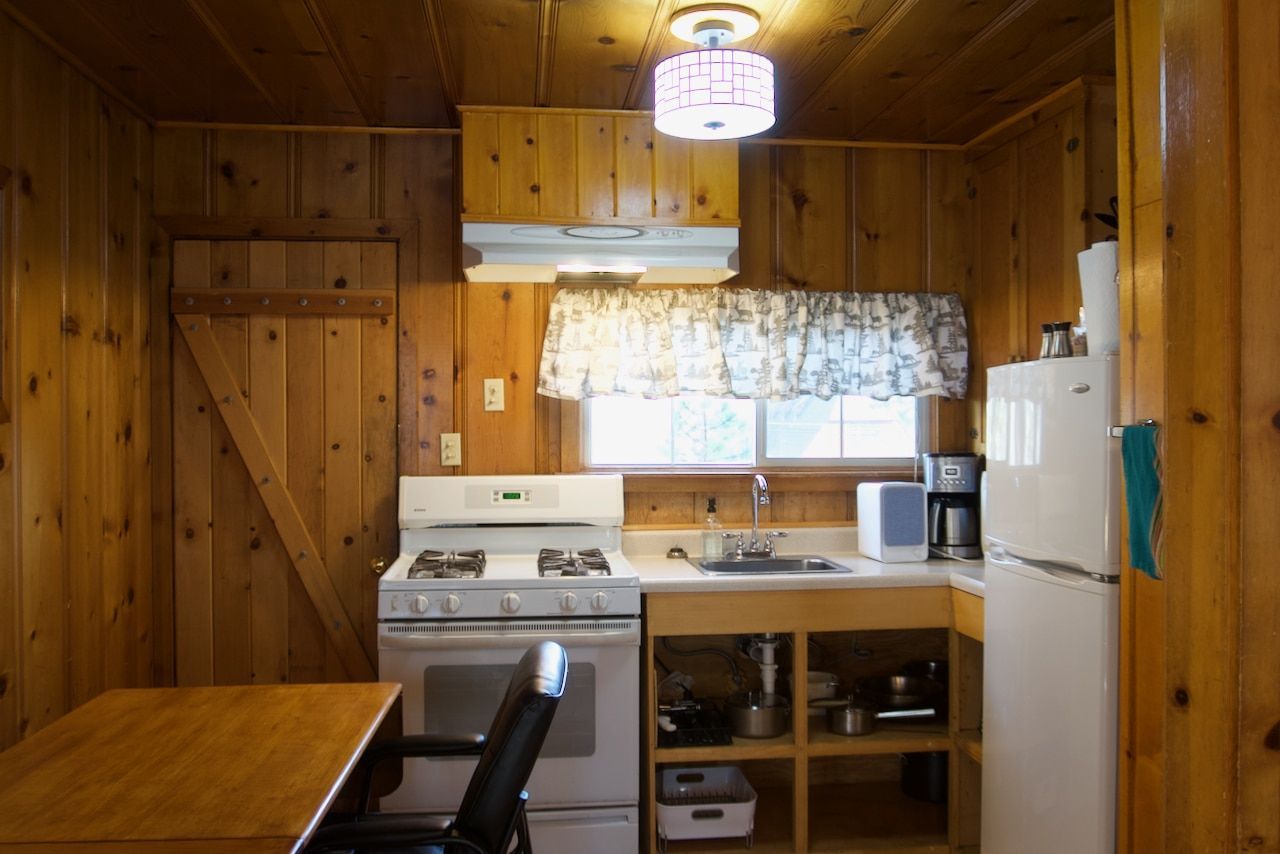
(1052, 529)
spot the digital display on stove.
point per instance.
(510, 496)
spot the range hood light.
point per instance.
(597, 268)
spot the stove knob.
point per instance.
(451, 603)
(569, 601)
(599, 601)
(419, 604)
(510, 602)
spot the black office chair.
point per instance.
(492, 810)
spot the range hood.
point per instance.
(599, 254)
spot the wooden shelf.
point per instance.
(772, 830)
(782, 747)
(970, 742)
(916, 738)
(874, 816)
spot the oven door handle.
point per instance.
(512, 641)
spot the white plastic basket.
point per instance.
(705, 803)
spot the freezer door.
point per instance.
(1049, 713)
(1053, 471)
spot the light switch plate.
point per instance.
(450, 449)
(494, 396)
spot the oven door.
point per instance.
(455, 674)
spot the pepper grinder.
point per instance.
(1060, 346)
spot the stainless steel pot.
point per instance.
(755, 715)
(855, 716)
(900, 692)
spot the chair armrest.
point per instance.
(469, 744)
(380, 832)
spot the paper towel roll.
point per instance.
(1101, 293)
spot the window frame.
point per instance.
(926, 420)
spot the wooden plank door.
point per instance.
(284, 456)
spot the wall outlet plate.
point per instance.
(494, 395)
(450, 449)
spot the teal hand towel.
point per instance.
(1139, 448)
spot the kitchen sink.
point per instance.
(768, 565)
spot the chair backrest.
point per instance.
(487, 813)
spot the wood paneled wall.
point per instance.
(1142, 382)
(75, 497)
(812, 217)
(1201, 713)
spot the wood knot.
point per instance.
(856, 31)
(429, 400)
(3, 462)
(382, 398)
(1275, 420)
(528, 140)
(972, 193)
(335, 446)
(494, 157)
(348, 540)
(128, 431)
(349, 166)
(228, 171)
(424, 445)
(190, 533)
(1272, 739)
(255, 544)
(515, 377)
(4, 684)
(649, 145)
(1181, 697)
(383, 229)
(1199, 417)
(606, 40)
(24, 184)
(340, 282)
(428, 373)
(129, 596)
(534, 188)
(506, 295)
(200, 408)
(368, 458)
(1168, 230)
(272, 335)
(33, 383)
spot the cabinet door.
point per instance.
(996, 311)
(1050, 205)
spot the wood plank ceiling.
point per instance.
(909, 70)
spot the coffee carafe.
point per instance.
(951, 481)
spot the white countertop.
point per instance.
(659, 574)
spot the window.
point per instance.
(713, 432)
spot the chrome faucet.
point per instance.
(759, 497)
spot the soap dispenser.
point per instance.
(712, 539)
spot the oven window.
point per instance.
(461, 698)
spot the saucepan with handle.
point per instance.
(855, 716)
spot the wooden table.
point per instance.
(236, 768)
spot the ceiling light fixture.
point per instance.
(713, 93)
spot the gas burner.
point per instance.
(556, 562)
(434, 564)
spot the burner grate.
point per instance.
(436, 564)
(553, 563)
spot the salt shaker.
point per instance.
(1046, 339)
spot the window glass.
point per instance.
(695, 431)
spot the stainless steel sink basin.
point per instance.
(768, 565)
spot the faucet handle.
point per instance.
(734, 535)
(768, 541)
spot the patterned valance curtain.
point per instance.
(726, 342)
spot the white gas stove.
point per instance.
(530, 546)
(488, 567)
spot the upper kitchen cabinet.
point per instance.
(565, 166)
(1035, 186)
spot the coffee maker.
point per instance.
(951, 481)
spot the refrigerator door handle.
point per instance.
(1061, 571)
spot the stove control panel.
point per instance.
(469, 603)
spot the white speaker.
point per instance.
(891, 522)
